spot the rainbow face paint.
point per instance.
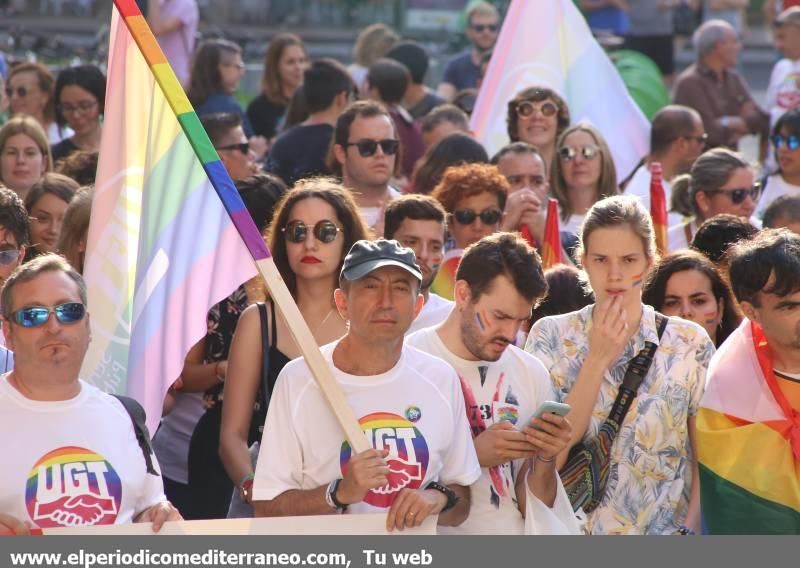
(710, 317)
(637, 280)
(480, 322)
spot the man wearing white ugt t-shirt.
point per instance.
(73, 458)
(408, 403)
(499, 279)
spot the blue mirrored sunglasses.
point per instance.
(791, 142)
(35, 316)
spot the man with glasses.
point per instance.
(302, 150)
(227, 135)
(677, 138)
(74, 459)
(365, 154)
(463, 71)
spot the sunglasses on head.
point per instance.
(468, 216)
(69, 313)
(9, 256)
(791, 142)
(324, 231)
(244, 147)
(367, 147)
(22, 92)
(526, 108)
(737, 196)
(480, 28)
(567, 153)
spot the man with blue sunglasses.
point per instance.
(73, 459)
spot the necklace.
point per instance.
(322, 323)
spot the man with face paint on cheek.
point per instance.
(498, 281)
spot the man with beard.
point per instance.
(500, 277)
(419, 223)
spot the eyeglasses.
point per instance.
(83, 106)
(526, 109)
(244, 147)
(22, 92)
(480, 28)
(468, 216)
(791, 142)
(367, 147)
(324, 231)
(567, 153)
(69, 313)
(9, 256)
(737, 196)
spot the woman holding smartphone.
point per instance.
(649, 488)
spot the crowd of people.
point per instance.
(415, 259)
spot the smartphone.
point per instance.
(558, 408)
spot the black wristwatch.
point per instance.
(452, 498)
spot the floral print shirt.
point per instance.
(650, 472)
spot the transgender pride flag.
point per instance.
(162, 249)
(548, 43)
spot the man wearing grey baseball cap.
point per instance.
(409, 405)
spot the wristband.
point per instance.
(330, 496)
(452, 498)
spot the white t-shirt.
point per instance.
(776, 186)
(172, 440)
(415, 409)
(372, 215)
(72, 462)
(434, 312)
(509, 389)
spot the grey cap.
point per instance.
(366, 256)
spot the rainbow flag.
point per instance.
(551, 248)
(748, 442)
(162, 249)
(548, 43)
(658, 208)
(445, 281)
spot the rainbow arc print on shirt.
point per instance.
(169, 235)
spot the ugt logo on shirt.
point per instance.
(73, 486)
(407, 459)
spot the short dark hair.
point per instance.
(452, 150)
(445, 113)
(89, 78)
(413, 56)
(261, 194)
(219, 124)
(518, 148)
(785, 207)
(790, 120)
(669, 124)
(390, 78)
(655, 288)
(323, 81)
(505, 254)
(363, 109)
(566, 293)
(716, 235)
(772, 252)
(413, 206)
(14, 216)
(80, 165)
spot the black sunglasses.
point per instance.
(324, 231)
(22, 92)
(526, 108)
(367, 147)
(244, 147)
(468, 216)
(480, 28)
(737, 196)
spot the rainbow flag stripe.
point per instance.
(169, 235)
(445, 281)
(551, 248)
(749, 471)
(658, 210)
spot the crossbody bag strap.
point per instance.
(265, 386)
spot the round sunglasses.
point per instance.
(22, 92)
(525, 109)
(325, 231)
(367, 147)
(737, 196)
(468, 216)
(568, 153)
(791, 142)
(37, 316)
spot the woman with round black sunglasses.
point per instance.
(786, 145)
(313, 228)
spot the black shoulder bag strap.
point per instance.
(139, 419)
(266, 388)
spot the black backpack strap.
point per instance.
(661, 323)
(139, 419)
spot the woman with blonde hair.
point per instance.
(371, 44)
(583, 174)
(30, 88)
(72, 240)
(24, 154)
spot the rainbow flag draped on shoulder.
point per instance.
(162, 249)
(748, 442)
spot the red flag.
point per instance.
(658, 208)
(551, 248)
